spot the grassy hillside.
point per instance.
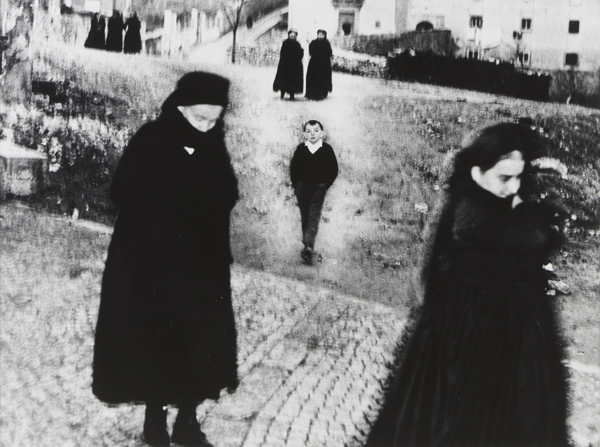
(393, 140)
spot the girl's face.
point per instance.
(202, 117)
(504, 178)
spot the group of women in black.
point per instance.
(480, 367)
(112, 40)
(290, 70)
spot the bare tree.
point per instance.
(233, 12)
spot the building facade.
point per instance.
(346, 17)
(540, 34)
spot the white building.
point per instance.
(344, 17)
(542, 34)
(545, 34)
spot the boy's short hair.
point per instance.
(311, 123)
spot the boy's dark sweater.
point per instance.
(320, 167)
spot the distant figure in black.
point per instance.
(318, 75)
(133, 39)
(483, 364)
(290, 71)
(313, 170)
(95, 37)
(114, 35)
(166, 332)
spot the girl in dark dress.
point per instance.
(483, 364)
(318, 74)
(166, 331)
(290, 71)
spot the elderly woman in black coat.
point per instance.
(290, 71)
(318, 74)
(166, 332)
(483, 365)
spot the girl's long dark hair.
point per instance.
(492, 145)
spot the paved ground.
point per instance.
(310, 360)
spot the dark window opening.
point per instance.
(572, 59)
(525, 24)
(476, 22)
(524, 58)
(472, 54)
(346, 23)
(377, 24)
(424, 26)
(574, 27)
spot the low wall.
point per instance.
(268, 56)
(437, 41)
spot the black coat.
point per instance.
(166, 328)
(483, 366)
(95, 37)
(114, 35)
(290, 72)
(133, 39)
(318, 74)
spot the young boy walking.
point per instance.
(313, 170)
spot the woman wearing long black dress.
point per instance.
(483, 364)
(166, 331)
(290, 71)
(318, 74)
(133, 39)
(114, 35)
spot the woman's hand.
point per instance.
(516, 200)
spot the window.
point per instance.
(472, 54)
(526, 24)
(377, 24)
(572, 59)
(524, 58)
(573, 26)
(476, 22)
(440, 22)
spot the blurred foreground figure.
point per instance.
(166, 332)
(483, 364)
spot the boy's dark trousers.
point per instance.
(310, 201)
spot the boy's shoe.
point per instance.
(307, 255)
(186, 431)
(155, 427)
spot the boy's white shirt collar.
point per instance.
(314, 147)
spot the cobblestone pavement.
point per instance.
(310, 360)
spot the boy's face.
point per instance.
(313, 133)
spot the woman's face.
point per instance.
(504, 178)
(320, 36)
(202, 117)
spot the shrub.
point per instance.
(83, 154)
